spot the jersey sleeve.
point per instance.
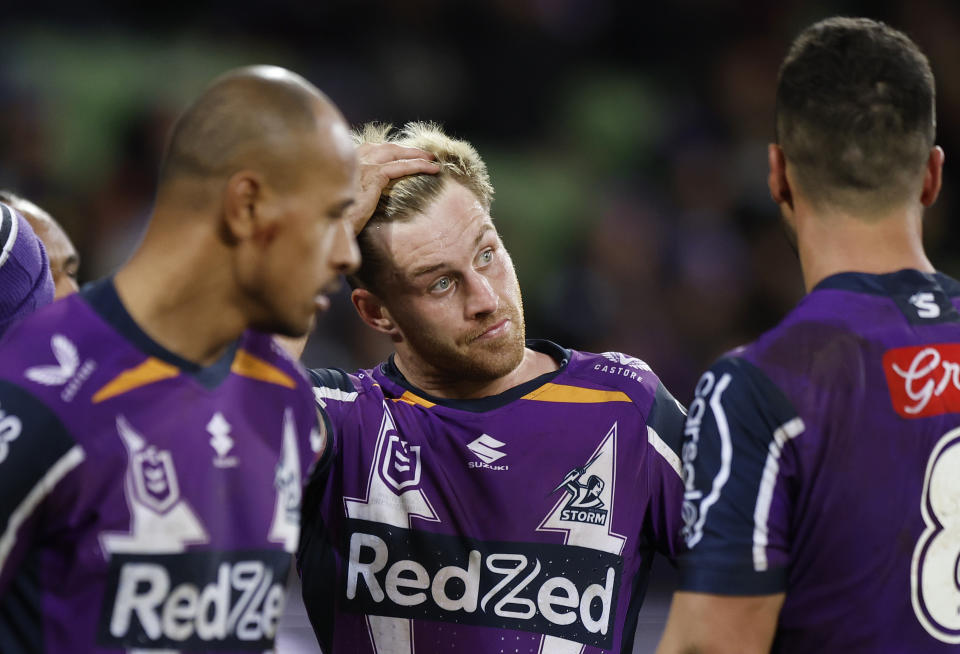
(738, 471)
(335, 394)
(664, 434)
(36, 453)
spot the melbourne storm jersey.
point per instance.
(145, 503)
(523, 522)
(824, 461)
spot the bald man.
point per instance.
(61, 253)
(152, 436)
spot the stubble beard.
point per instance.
(474, 360)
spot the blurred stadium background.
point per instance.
(626, 142)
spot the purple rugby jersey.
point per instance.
(824, 461)
(524, 522)
(145, 503)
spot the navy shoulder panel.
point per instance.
(738, 419)
(32, 440)
(332, 378)
(755, 388)
(21, 610)
(949, 285)
(36, 451)
(667, 417)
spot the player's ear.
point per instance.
(933, 178)
(777, 178)
(373, 312)
(244, 212)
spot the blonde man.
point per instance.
(478, 491)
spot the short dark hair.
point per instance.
(855, 112)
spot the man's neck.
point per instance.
(532, 365)
(178, 293)
(840, 242)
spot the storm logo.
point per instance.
(584, 503)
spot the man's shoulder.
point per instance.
(847, 313)
(630, 379)
(260, 356)
(54, 363)
(613, 372)
(336, 386)
(824, 340)
(43, 364)
(333, 379)
(823, 354)
(49, 344)
(358, 381)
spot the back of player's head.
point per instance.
(25, 280)
(247, 117)
(404, 197)
(855, 113)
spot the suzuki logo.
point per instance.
(220, 441)
(485, 448)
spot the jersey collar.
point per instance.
(894, 283)
(389, 371)
(103, 299)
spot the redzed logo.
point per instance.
(924, 380)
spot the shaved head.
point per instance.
(250, 117)
(254, 186)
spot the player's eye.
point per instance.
(486, 257)
(71, 268)
(441, 285)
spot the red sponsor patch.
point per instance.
(924, 380)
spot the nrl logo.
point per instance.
(624, 360)
(151, 470)
(400, 467)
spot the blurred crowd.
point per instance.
(626, 142)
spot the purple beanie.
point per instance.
(25, 280)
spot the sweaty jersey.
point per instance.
(523, 522)
(145, 503)
(824, 461)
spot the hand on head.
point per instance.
(381, 163)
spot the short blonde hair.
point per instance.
(407, 196)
